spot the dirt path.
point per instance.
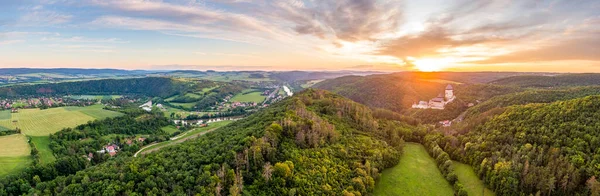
(172, 141)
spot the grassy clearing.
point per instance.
(416, 174)
(185, 136)
(10, 165)
(310, 83)
(467, 177)
(36, 122)
(185, 105)
(170, 129)
(193, 95)
(249, 96)
(5, 115)
(14, 154)
(42, 143)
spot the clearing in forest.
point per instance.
(416, 174)
(42, 143)
(468, 178)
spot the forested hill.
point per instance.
(552, 149)
(152, 86)
(551, 81)
(391, 92)
(531, 96)
(397, 92)
(314, 143)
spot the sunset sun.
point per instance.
(429, 64)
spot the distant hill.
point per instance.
(152, 86)
(70, 71)
(551, 81)
(291, 76)
(314, 143)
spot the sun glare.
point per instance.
(429, 64)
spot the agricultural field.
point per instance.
(15, 156)
(249, 95)
(95, 111)
(42, 143)
(36, 122)
(416, 174)
(470, 181)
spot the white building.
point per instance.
(439, 102)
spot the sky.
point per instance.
(374, 35)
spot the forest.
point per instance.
(314, 143)
(548, 149)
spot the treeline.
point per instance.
(564, 80)
(547, 149)
(315, 143)
(151, 86)
(72, 146)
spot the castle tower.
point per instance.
(449, 92)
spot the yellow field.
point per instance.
(14, 155)
(14, 146)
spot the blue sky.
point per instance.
(385, 35)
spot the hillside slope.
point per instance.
(315, 143)
(551, 149)
(551, 81)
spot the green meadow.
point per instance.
(416, 174)
(468, 178)
(249, 96)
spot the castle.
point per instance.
(439, 102)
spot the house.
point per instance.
(141, 139)
(421, 105)
(446, 123)
(111, 149)
(90, 156)
(129, 142)
(147, 106)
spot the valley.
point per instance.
(267, 136)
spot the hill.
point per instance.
(397, 92)
(162, 87)
(71, 71)
(315, 143)
(550, 148)
(551, 81)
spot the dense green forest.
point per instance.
(551, 81)
(151, 86)
(315, 143)
(549, 149)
